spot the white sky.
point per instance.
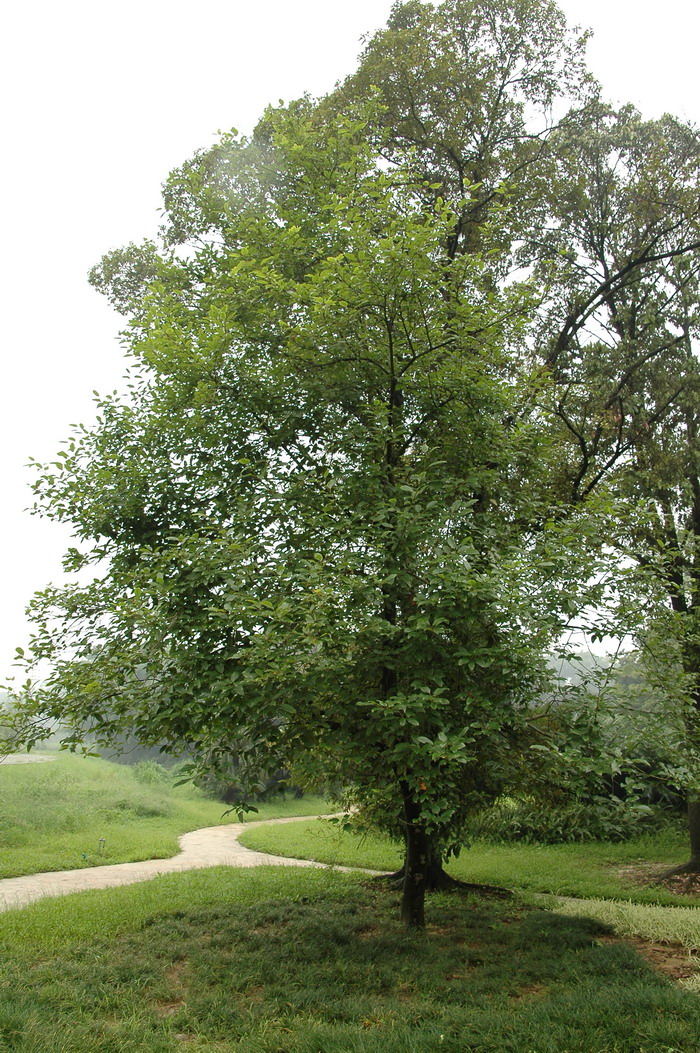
(100, 101)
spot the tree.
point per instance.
(623, 246)
(470, 89)
(664, 478)
(603, 212)
(310, 522)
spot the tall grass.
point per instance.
(647, 921)
(77, 811)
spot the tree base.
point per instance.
(691, 867)
(438, 880)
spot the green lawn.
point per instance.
(589, 870)
(280, 961)
(53, 815)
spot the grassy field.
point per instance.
(282, 961)
(277, 960)
(53, 815)
(589, 870)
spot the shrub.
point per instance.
(599, 818)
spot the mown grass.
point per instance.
(53, 925)
(275, 960)
(281, 961)
(54, 814)
(588, 870)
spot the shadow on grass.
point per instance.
(335, 973)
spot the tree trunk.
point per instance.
(438, 880)
(416, 865)
(693, 864)
(694, 831)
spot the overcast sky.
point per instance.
(100, 102)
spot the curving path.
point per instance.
(212, 846)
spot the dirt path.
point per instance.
(212, 846)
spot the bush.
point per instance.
(219, 786)
(600, 818)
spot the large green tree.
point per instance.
(316, 525)
(604, 212)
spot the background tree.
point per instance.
(473, 90)
(663, 538)
(619, 255)
(622, 249)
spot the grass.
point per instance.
(648, 922)
(587, 871)
(53, 926)
(282, 961)
(53, 815)
(277, 960)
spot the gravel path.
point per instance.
(212, 846)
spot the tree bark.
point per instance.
(438, 880)
(693, 864)
(416, 865)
